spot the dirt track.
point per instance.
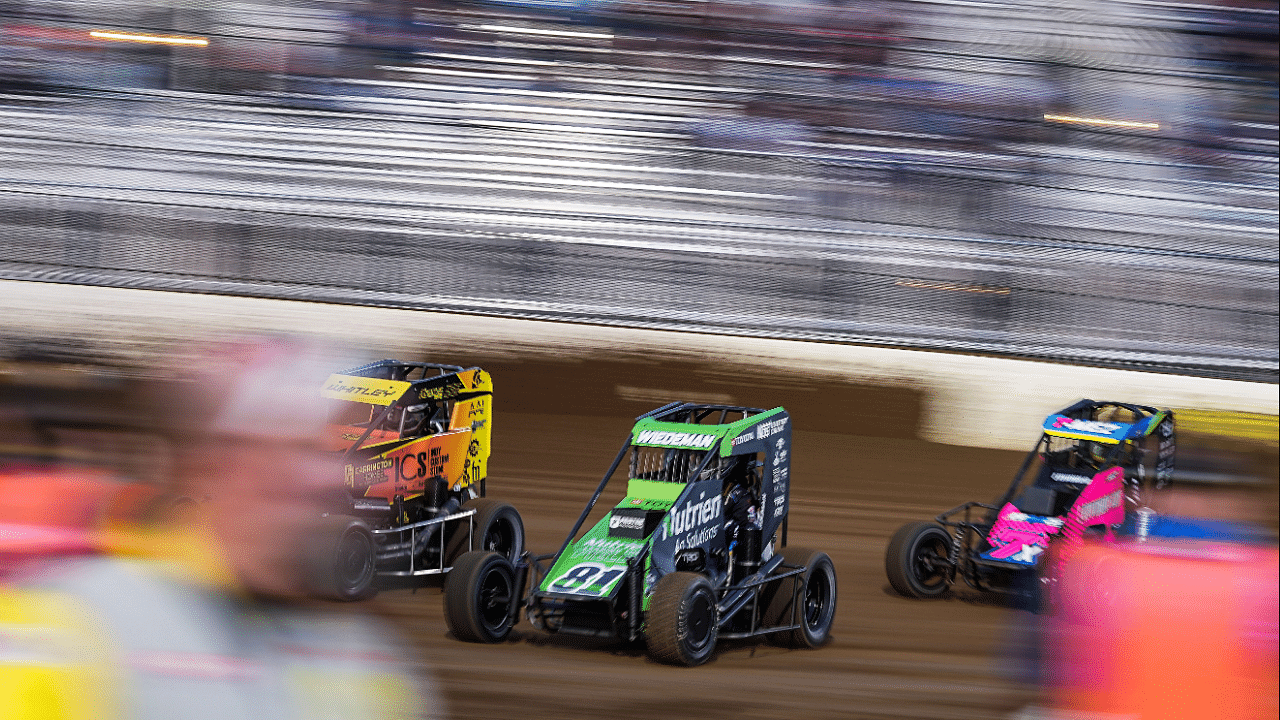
(858, 474)
(859, 471)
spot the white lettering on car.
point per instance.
(679, 439)
(1094, 508)
(628, 522)
(1088, 426)
(770, 427)
(691, 516)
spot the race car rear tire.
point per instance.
(498, 528)
(478, 596)
(682, 623)
(916, 560)
(814, 589)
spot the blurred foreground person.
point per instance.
(209, 616)
(1177, 620)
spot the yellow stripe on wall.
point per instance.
(1244, 425)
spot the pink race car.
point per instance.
(1093, 466)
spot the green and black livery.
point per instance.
(694, 552)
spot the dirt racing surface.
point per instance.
(858, 473)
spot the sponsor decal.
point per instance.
(770, 427)
(360, 389)
(694, 514)
(415, 466)
(779, 456)
(1095, 427)
(1069, 478)
(747, 436)
(695, 523)
(689, 557)
(697, 537)
(405, 469)
(369, 473)
(629, 522)
(649, 504)
(599, 549)
(677, 439)
(340, 387)
(1019, 537)
(1096, 508)
(780, 474)
(1027, 554)
(438, 393)
(1101, 502)
(632, 522)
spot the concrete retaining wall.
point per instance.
(963, 400)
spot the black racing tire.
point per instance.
(917, 560)
(498, 528)
(814, 589)
(348, 564)
(683, 622)
(478, 596)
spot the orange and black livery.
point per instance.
(414, 440)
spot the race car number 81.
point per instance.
(588, 579)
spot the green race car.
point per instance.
(695, 552)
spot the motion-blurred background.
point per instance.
(1086, 182)
(1073, 180)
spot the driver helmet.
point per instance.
(1097, 451)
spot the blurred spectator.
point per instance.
(1178, 620)
(208, 616)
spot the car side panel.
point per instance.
(405, 469)
(473, 415)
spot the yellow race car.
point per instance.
(414, 443)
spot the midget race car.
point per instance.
(695, 552)
(414, 444)
(1095, 463)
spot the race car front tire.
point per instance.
(682, 623)
(916, 560)
(342, 563)
(478, 597)
(807, 599)
(498, 528)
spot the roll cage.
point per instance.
(677, 412)
(422, 404)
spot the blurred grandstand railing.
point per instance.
(846, 176)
